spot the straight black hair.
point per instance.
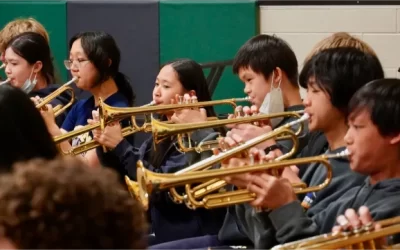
(264, 53)
(191, 76)
(381, 98)
(340, 72)
(33, 47)
(100, 49)
(23, 130)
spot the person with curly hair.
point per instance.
(64, 204)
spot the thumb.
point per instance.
(203, 112)
(295, 169)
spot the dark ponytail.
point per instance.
(125, 87)
(101, 48)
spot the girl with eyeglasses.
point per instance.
(94, 59)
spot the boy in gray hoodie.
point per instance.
(373, 141)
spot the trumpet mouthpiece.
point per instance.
(305, 117)
(345, 152)
(6, 81)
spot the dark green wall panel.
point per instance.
(207, 30)
(52, 14)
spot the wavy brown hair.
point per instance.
(65, 204)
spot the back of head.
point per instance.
(341, 72)
(19, 26)
(23, 131)
(264, 53)
(340, 40)
(381, 98)
(192, 77)
(102, 50)
(33, 48)
(64, 204)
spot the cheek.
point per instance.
(20, 76)
(260, 90)
(87, 78)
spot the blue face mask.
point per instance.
(29, 85)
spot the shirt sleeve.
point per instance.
(70, 120)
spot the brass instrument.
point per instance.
(109, 114)
(216, 184)
(129, 130)
(59, 109)
(364, 238)
(149, 181)
(162, 130)
(5, 81)
(201, 165)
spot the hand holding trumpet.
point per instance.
(111, 136)
(271, 191)
(188, 115)
(240, 133)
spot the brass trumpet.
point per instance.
(129, 130)
(109, 114)
(150, 182)
(285, 129)
(365, 238)
(162, 130)
(59, 109)
(215, 184)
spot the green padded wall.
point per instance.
(208, 30)
(52, 14)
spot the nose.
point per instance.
(156, 92)
(74, 68)
(348, 138)
(7, 69)
(306, 102)
(247, 89)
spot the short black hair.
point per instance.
(341, 72)
(264, 53)
(381, 98)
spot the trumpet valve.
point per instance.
(193, 99)
(239, 112)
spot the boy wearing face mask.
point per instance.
(268, 68)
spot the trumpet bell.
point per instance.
(133, 187)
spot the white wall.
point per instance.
(303, 26)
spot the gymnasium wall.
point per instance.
(149, 33)
(152, 32)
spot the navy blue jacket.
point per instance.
(171, 221)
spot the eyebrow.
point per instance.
(11, 59)
(162, 80)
